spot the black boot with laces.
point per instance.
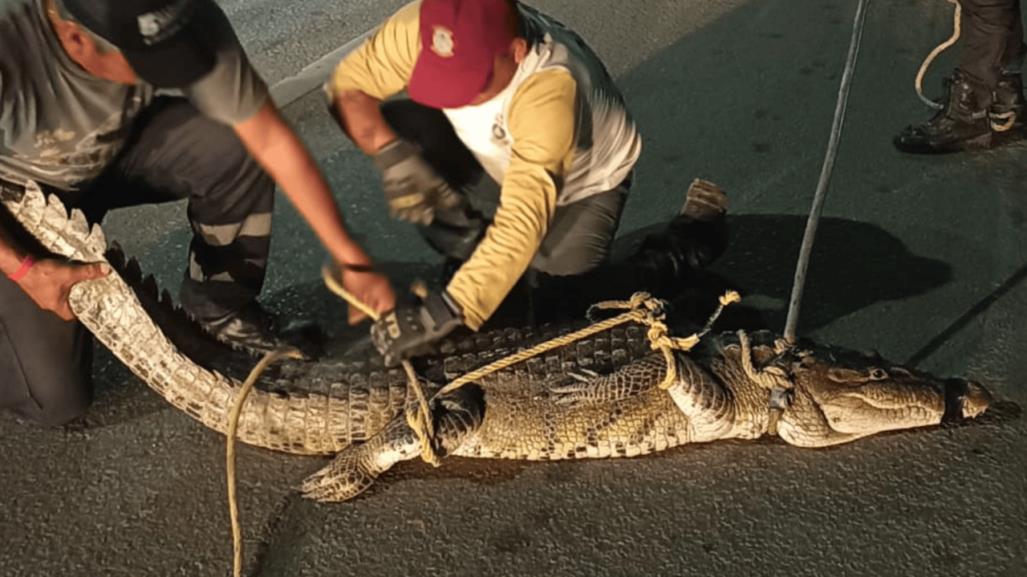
(963, 124)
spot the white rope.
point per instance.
(957, 19)
(825, 173)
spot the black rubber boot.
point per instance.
(256, 331)
(962, 125)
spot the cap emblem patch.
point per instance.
(442, 41)
(149, 25)
(161, 24)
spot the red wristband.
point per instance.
(26, 265)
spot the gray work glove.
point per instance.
(413, 329)
(412, 188)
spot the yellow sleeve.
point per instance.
(383, 64)
(542, 125)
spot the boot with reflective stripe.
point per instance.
(1006, 112)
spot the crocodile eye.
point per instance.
(878, 374)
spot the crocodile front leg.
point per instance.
(456, 416)
(707, 404)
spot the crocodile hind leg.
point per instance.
(456, 416)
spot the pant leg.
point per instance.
(581, 234)
(666, 262)
(992, 39)
(174, 153)
(453, 233)
(45, 362)
(1012, 60)
(572, 269)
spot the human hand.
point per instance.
(412, 188)
(362, 283)
(370, 288)
(49, 283)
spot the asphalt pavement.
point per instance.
(922, 258)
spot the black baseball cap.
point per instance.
(167, 42)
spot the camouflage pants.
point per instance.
(175, 153)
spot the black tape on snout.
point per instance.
(956, 391)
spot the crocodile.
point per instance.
(596, 398)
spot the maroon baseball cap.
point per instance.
(459, 42)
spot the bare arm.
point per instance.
(277, 148)
(362, 120)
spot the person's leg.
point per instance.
(45, 362)
(1012, 59)
(982, 105)
(666, 260)
(571, 269)
(991, 37)
(1007, 107)
(176, 153)
(454, 233)
(581, 234)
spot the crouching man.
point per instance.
(513, 153)
(80, 115)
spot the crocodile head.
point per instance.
(843, 395)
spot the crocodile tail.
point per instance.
(302, 424)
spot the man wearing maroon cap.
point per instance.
(513, 153)
(79, 116)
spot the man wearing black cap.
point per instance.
(79, 116)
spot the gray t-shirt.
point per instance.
(61, 127)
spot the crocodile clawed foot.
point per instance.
(345, 478)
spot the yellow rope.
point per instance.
(641, 308)
(956, 31)
(766, 377)
(336, 287)
(233, 425)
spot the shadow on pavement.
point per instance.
(853, 265)
(974, 312)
